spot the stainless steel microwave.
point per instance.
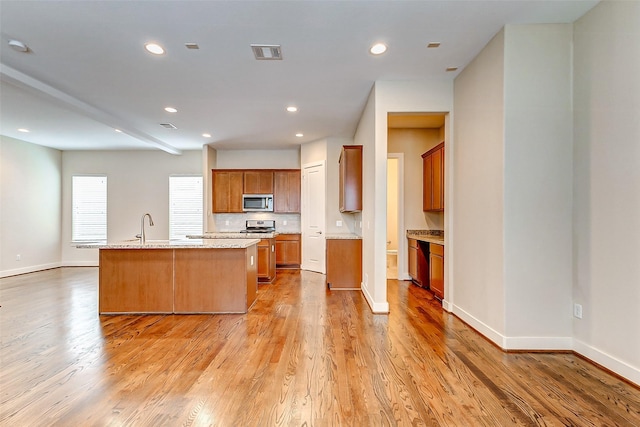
(257, 202)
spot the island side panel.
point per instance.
(136, 281)
(210, 281)
(251, 260)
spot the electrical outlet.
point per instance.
(284, 222)
(577, 311)
(18, 257)
(338, 223)
(226, 222)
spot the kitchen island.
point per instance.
(182, 277)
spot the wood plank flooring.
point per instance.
(303, 356)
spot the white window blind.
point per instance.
(185, 206)
(89, 204)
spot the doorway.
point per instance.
(393, 207)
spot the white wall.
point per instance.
(435, 95)
(606, 214)
(332, 206)
(258, 159)
(413, 143)
(209, 161)
(478, 192)
(538, 186)
(137, 182)
(30, 209)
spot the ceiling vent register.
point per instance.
(168, 126)
(267, 51)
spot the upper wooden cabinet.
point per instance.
(258, 182)
(227, 191)
(286, 191)
(351, 178)
(433, 179)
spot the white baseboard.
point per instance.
(31, 269)
(376, 307)
(538, 343)
(618, 366)
(479, 326)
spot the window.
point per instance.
(89, 204)
(185, 206)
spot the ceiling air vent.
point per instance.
(192, 46)
(168, 126)
(266, 51)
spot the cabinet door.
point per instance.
(344, 263)
(286, 191)
(263, 261)
(427, 183)
(227, 191)
(288, 250)
(438, 181)
(350, 185)
(436, 270)
(413, 259)
(258, 182)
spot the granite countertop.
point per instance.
(233, 235)
(175, 244)
(342, 236)
(429, 236)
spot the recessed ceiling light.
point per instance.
(24, 130)
(433, 44)
(292, 109)
(378, 49)
(206, 135)
(118, 130)
(154, 48)
(299, 135)
(170, 110)
(452, 68)
(18, 46)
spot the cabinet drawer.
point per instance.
(436, 249)
(284, 237)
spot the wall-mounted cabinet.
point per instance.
(350, 178)
(433, 179)
(258, 182)
(227, 191)
(228, 186)
(286, 191)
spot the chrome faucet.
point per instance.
(142, 236)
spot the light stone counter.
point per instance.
(429, 236)
(208, 243)
(233, 235)
(342, 236)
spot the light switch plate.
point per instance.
(338, 223)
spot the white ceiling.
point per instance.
(87, 72)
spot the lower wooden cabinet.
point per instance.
(266, 260)
(418, 262)
(344, 263)
(436, 270)
(288, 251)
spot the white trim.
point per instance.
(31, 269)
(376, 307)
(480, 326)
(392, 252)
(403, 270)
(447, 305)
(81, 264)
(618, 366)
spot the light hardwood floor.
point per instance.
(302, 356)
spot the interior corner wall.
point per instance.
(478, 192)
(137, 183)
(538, 145)
(30, 207)
(606, 214)
(209, 161)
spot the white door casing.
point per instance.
(313, 217)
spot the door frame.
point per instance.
(304, 212)
(403, 267)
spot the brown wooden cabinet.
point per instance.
(436, 269)
(286, 191)
(418, 263)
(258, 182)
(344, 263)
(288, 251)
(433, 179)
(350, 178)
(266, 260)
(227, 191)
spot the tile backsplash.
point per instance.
(236, 222)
